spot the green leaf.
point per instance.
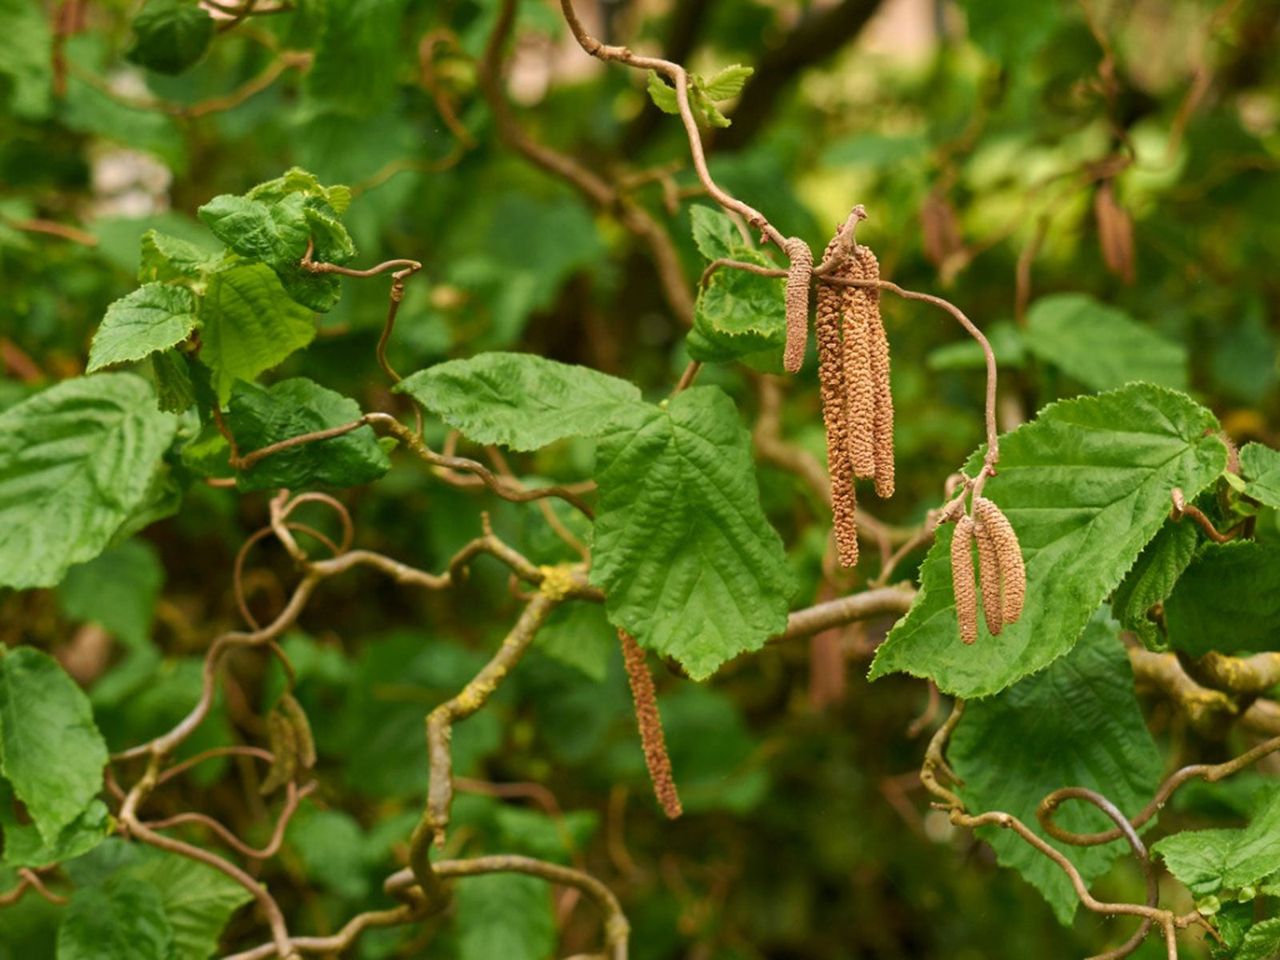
(727, 83)
(259, 417)
(123, 919)
(520, 400)
(250, 325)
(662, 94)
(26, 45)
(1209, 861)
(50, 750)
(175, 389)
(1260, 466)
(1261, 942)
(579, 636)
(505, 915)
(535, 834)
(714, 233)
(966, 354)
(117, 589)
(1086, 486)
(357, 56)
(681, 547)
(1010, 33)
(1228, 600)
(170, 35)
(1151, 580)
(166, 258)
(738, 314)
(1101, 346)
(154, 317)
(24, 847)
(297, 180)
(331, 845)
(197, 900)
(275, 234)
(84, 451)
(1076, 724)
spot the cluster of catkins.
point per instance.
(853, 371)
(1001, 572)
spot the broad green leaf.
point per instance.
(24, 847)
(1086, 486)
(259, 417)
(1261, 942)
(520, 400)
(123, 919)
(681, 546)
(25, 56)
(297, 180)
(331, 845)
(250, 325)
(662, 94)
(1101, 346)
(1209, 861)
(154, 317)
(505, 915)
(1151, 580)
(739, 314)
(727, 83)
(535, 834)
(714, 233)
(1260, 466)
(197, 901)
(168, 258)
(50, 750)
(117, 589)
(1077, 724)
(170, 35)
(357, 56)
(84, 451)
(1228, 600)
(275, 234)
(579, 635)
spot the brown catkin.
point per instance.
(649, 721)
(799, 276)
(884, 472)
(963, 581)
(1013, 571)
(831, 378)
(989, 579)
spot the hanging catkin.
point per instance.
(799, 276)
(652, 741)
(884, 472)
(963, 582)
(859, 377)
(831, 377)
(1013, 572)
(989, 578)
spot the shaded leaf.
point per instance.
(25, 56)
(504, 915)
(1151, 580)
(1260, 466)
(1076, 724)
(1086, 487)
(123, 919)
(24, 847)
(170, 35)
(117, 589)
(197, 900)
(84, 451)
(681, 546)
(1228, 600)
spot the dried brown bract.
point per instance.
(1115, 232)
(831, 377)
(1013, 571)
(799, 277)
(963, 581)
(649, 721)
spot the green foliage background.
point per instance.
(806, 833)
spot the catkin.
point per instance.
(1115, 232)
(799, 276)
(963, 581)
(652, 741)
(831, 378)
(869, 400)
(880, 378)
(1013, 571)
(989, 579)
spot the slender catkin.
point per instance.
(963, 581)
(649, 721)
(799, 276)
(860, 392)
(989, 579)
(884, 471)
(831, 378)
(1013, 571)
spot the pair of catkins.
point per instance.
(857, 411)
